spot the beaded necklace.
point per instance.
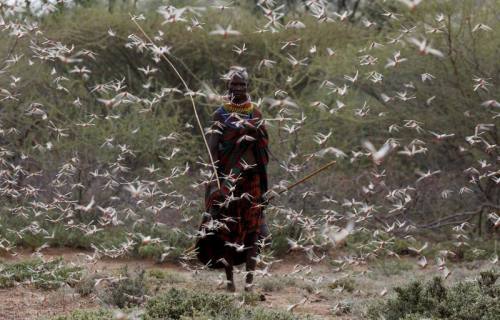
(245, 107)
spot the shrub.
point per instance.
(187, 304)
(44, 275)
(86, 285)
(392, 267)
(274, 284)
(342, 308)
(176, 303)
(150, 251)
(260, 313)
(166, 276)
(347, 283)
(101, 314)
(126, 292)
(469, 300)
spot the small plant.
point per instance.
(260, 313)
(126, 292)
(392, 267)
(341, 308)
(346, 283)
(101, 314)
(150, 251)
(86, 285)
(251, 298)
(166, 276)
(156, 274)
(275, 284)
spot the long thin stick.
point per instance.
(191, 97)
(304, 179)
(192, 247)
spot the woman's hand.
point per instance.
(264, 201)
(249, 128)
(217, 192)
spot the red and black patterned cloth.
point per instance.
(234, 219)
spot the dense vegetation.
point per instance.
(100, 148)
(179, 304)
(47, 275)
(476, 299)
(64, 147)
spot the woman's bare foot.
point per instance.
(230, 287)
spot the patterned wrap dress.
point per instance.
(234, 220)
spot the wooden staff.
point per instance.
(282, 191)
(191, 97)
(303, 179)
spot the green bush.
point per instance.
(469, 300)
(276, 283)
(86, 285)
(391, 267)
(126, 292)
(43, 275)
(260, 313)
(183, 304)
(101, 314)
(150, 250)
(347, 283)
(86, 28)
(187, 304)
(166, 276)
(176, 303)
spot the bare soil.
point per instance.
(370, 283)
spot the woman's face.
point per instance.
(237, 87)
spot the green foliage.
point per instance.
(86, 285)
(101, 314)
(479, 249)
(186, 304)
(391, 267)
(107, 238)
(346, 283)
(177, 240)
(176, 303)
(261, 313)
(63, 236)
(468, 300)
(128, 291)
(43, 275)
(150, 250)
(467, 54)
(279, 244)
(342, 308)
(166, 276)
(276, 283)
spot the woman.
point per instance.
(238, 143)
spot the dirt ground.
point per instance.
(283, 287)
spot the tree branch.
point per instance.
(446, 221)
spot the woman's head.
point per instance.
(237, 84)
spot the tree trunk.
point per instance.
(111, 5)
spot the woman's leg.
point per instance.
(250, 259)
(228, 256)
